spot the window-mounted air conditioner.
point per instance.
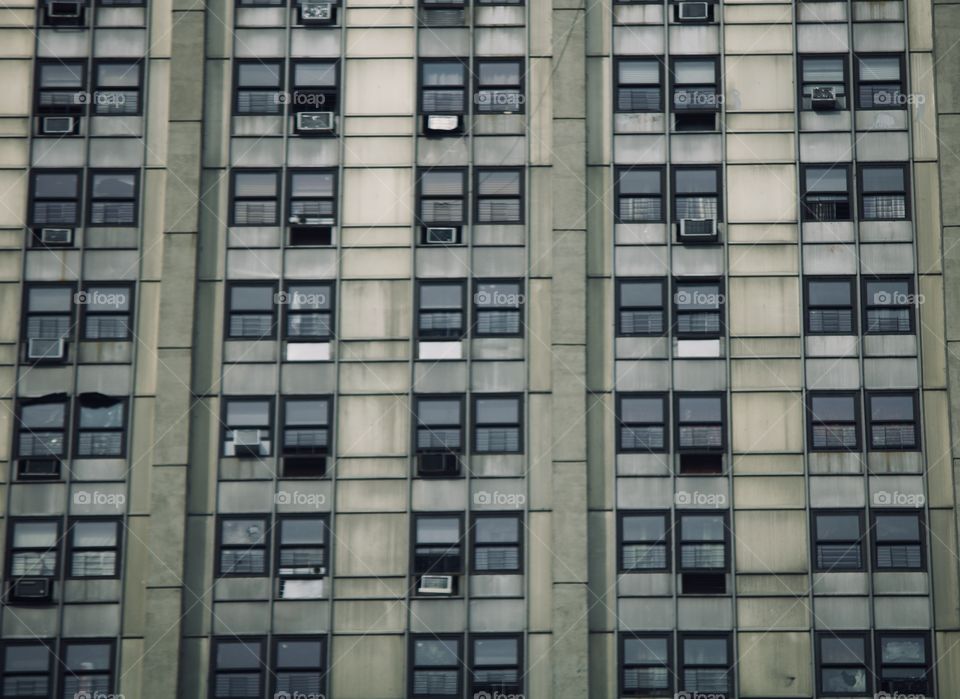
(315, 122)
(38, 469)
(56, 236)
(316, 12)
(698, 229)
(435, 585)
(46, 348)
(31, 590)
(247, 442)
(823, 98)
(444, 123)
(63, 12)
(440, 235)
(693, 11)
(302, 572)
(58, 125)
(438, 464)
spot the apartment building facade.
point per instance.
(445, 349)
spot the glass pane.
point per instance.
(237, 532)
(42, 415)
(61, 75)
(644, 651)
(438, 530)
(838, 527)
(251, 298)
(640, 182)
(489, 530)
(440, 183)
(823, 70)
(883, 179)
(238, 655)
(499, 73)
(498, 182)
(114, 186)
(702, 409)
(842, 650)
(909, 650)
(299, 654)
(311, 184)
(696, 181)
(315, 74)
(645, 410)
(306, 412)
(48, 299)
(438, 412)
(702, 528)
(823, 293)
(891, 408)
(312, 297)
(641, 294)
(880, 68)
(102, 416)
(248, 413)
(498, 410)
(32, 658)
(118, 75)
(436, 652)
(704, 651)
(697, 296)
(892, 292)
(258, 75)
(826, 179)
(639, 72)
(34, 535)
(441, 296)
(644, 528)
(56, 185)
(302, 531)
(255, 184)
(898, 528)
(833, 408)
(94, 534)
(88, 656)
(694, 72)
(495, 651)
(447, 73)
(107, 298)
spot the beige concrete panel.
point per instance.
(371, 545)
(380, 16)
(761, 193)
(379, 263)
(771, 542)
(366, 616)
(767, 422)
(374, 377)
(371, 496)
(759, 122)
(774, 664)
(371, 43)
(13, 203)
(750, 39)
(759, 147)
(368, 667)
(751, 492)
(391, 188)
(943, 568)
(920, 25)
(379, 86)
(375, 309)
(765, 259)
(756, 13)
(15, 76)
(764, 306)
(932, 332)
(373, 425)
(760, 83)
(762, 374)
(936, 435)
(926, 212)
(772, 613)
(767, 463)
(924, 107)
(540, 572)
(373, 152)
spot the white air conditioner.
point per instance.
(435, 585)
(57, 125)
(247, 442)
(64, 9)
(315, 122)
(302, 572)
(824, 98)
(32, 589)
(316, 12)
(443, 122)
(56, 236)
(693, 11)
(441, 236)
(46, 348)
(695, 229)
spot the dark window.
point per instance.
(299, 667)
(255, 194)
(842, 665)
(645, 665)
(60, 87)
(34, 548)
(437, 664)
(702, 554)
(247, 426)
(27, 671)
(880, 82)
(499, 86)
(705, 666)
(316, 86)
(312, 204)
(497, 308)
(639, 195)
(903, 664)
(442, 192)
(698, 309)
(306, 427)
(888, 306)
(116, 88)
(898, 541)
(238, 667)
(107, 311)
(883, 192)
(834, 421)
(54, 198)
(252, 311)
(87, 668)
(894, 423)
(826, 193)
(495, 666)
(643, 542)
(830, 306)
(639, 85)
(642, 422)
(700, 422)
(641, 307)
(497, 424)
(497, 543)
(94, 548)
(438, 542)
(301, 547)
(259, 87)
(440, 310)
(443, 87)
(838, 541)
(101, 426)
(439, 425)
(823, 83)
(113, 198)
(243, 546)
(499, 195)
(308, 307)
(41, 430)
(695, 93)
(696, 199)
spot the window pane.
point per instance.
(498, 182)
(258, 75)
(908, 650)
(822, 293)
(239, 532)
(823, 70)
(704, 651)
(640, 182)
(311, 184)
(438, 530)
(102, 416)
(251, 298)
(641, 294)
(436, 652)
(114, 186)
(56, 185)
(315, 74)
(438, 74)
(891, 407)
(883, 179)
(499, 73)
(842, 651)
(118, 75)
(641, 410)
(306, 654)
(694, 72)
(489, 530)
(248, 413)
(495, 651)
(94, 534)
(833, 408)
(697, 296)
(838, 527)
(880, 68)
(302, 531)
(61, 75)
(42, 415)
(696, 181)
(826, 179)
(498, 410)
(32, 658)
(639, 72)
(306, 412)
(255, 184)
(442, 183)
(312, 297)
(898, 528)
(702, 528)
(34, 535)
(238, 655)
(645, 650)
(88, 656)
(644, 528)
(438, 412)
(107, 298)
(704, 409)
(49, 299)
(441, 296)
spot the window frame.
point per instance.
(664, 397)
(620, 308)
(617, 85)
(419, 309)
(426, 397)
(477, 690)
(412, 666)
(280, 64)
(520, 197)
(858, 81)
(624, 636)
(805, 215)
(876, 543)
(463, 198)
(123, 431)
(854, 303)
(66, 447)
(230, 311)
(26, 314)
(289, 199)
(286, 398)
(268, 570)
(476, 426)
(867, 305)
(127, 288)
(95, 86)
(869, 395)
(844, 59)
(45, 644)
(820, 664)
(76, 108)
(286, 312)
(474, 545)
(929, 665)
(857, 420)
(464, 86)
(71, 548)
(478, 308)
(279, 546)
(271, 429)
(520, 87)
(65, 671)
(717, 87)
(217, 641)
(862, 542)
(9, 554)
(679, 541)
(462, 543)
(667, 540)
(724, 422)
(730, 668)
(276, 669)
(77, 200)
(619, 171)
(676, 313)
(295, 87)
(277, 202)
(718, 194)
(904, 167)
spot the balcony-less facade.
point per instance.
(446, 349)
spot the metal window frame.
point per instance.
(844, 59)
(857, 420)
(868, 420)
(476, 690)
(475, 426)
(412, 666)
(499, 514)
(219, 572)
(851, 282)
(234, 172)
(858, 81)
(477, 310)
(868, 306)
(520, 86)
(217, 641)
(618, 193)
(230, 311)
(227, 400)
(921, 541)
(667, 540)
(421, 397)
(622, 666)
(861, 541)
(904, 167)
(123, 400)
(520, 196)
(71, 549)
(820, 663)
(461, 540)
(664, 396)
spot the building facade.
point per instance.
(370, 350)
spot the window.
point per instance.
(639, 192)
(497, 543)
(496, 308)
(883, 192)
(101, 426)
(499, 195)
(113, 198)
(639, 85)
(641, 422)
(823, 83)
(497, 424)
(306, 436)
(702, 554)
(838, 541)
(698, 309)
(107, 310)
(60, 87)
(898, 541)
(247, 426)
(87, 668)
(645, 664)
(705, 665)
(695, 95)
(640, 307)
(238, 666)
(903, 664)
(94, 548)
(826, 193)
(643, 542)
(243, 546)
(299, 667)
(54, 198)
(440, 310)
(495, 666)
(308, 308)
(888, 306)
(255, 194)
(439, 424)
(312, 208)
(700, 428)
(301, 548)
(436, 666)
(893, 421)
(259, 87)
(443, 87)
(833, 421)
(27, 671)
(880, 82)
(441, 201)
(696, 203)
(41, 436)
(830, 306)
(499, 86)
(34, 548)
(842, 665)
(316, 86)
(437, 544)
(116, 88)
(252, 311)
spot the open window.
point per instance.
(48, 322)
(247, 427)
(33, 560)
(696, 99)
(438, 435)
(306, 436)
(826, 193)
(904, 667)
(703, 553)
(63, 13)
(60, 99)
(437, 553)
(697, 204)
(823, 83)
(441, 211)
(55, 206)
(443, 95)
(315, 99)
(301, 556)
(41, 437)
(700, 432)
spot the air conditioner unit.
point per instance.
(247, 442)
(435, 585)
(38, 469)
(315, 122)
(823, 98)
(440, 236)
(31, 590)
(56, 236)
(65, 9)
(698, 229)
(693, 11)
(58, 125)
(443, 123)
(39, 348)
(302, 572)
(316, 12)
(438, 464)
